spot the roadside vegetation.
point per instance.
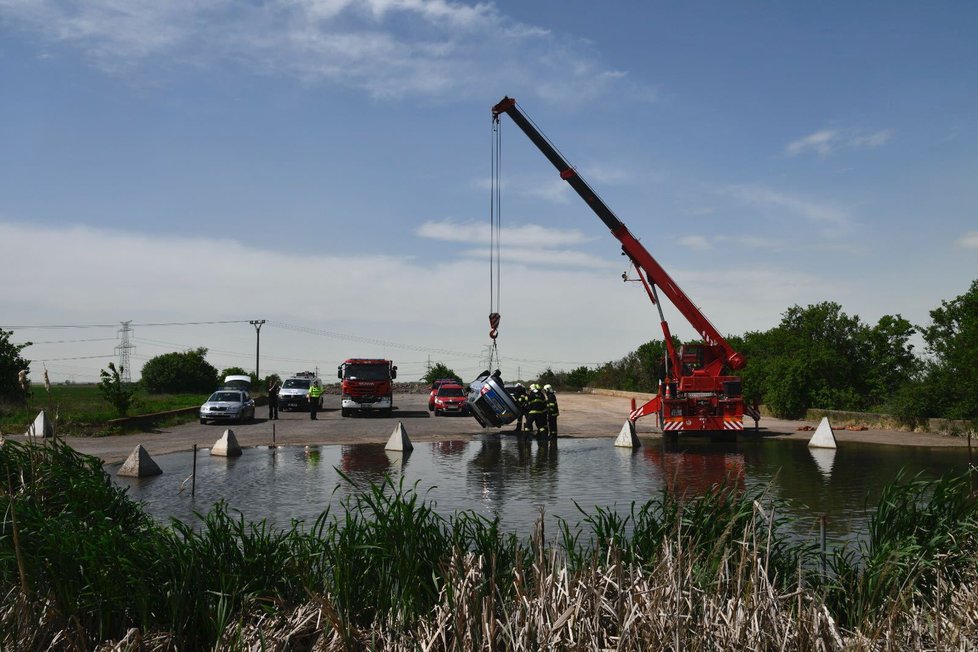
(820, 357)
(817, 357)
(83, 567)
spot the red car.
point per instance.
(450, 399)
(435, 384)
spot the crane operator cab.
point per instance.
(490, 403)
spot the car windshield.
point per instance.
(451, 391)
(225, 397)
(367, 371)
(296, 383)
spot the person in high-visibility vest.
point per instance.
(536, 405)
(552, 411)
(315, 398)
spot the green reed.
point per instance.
(81, 563)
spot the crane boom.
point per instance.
(630, 245)
(700, 372)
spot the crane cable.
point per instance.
(495, 230)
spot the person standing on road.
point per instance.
(315, 396)
(536, 403)
(519, 397)
(273, 400)
(552, 411)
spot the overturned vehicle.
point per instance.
(490, 403)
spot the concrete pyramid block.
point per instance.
(823, 437)
(42, 426)
(139, 465)
(399, 440)
(227, 445)
(627, 438)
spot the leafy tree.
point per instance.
(817, 356)
(179, 372)
(639, 371)
(116, 392)
(549, 377)
(952, 338)
(892, 363)
(580, 377)
(11, 364)
(439, 370)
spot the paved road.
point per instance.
(581, 415)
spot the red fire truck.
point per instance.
(367, 386)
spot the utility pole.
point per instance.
(257, 323)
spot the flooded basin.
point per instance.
(516, 479)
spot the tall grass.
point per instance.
(81, 565)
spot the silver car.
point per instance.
(228, 405)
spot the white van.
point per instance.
(295, 391)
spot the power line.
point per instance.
(166, 323)
(93, 339)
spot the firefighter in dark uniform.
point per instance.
(552, 411)
(519, 397)
(536, 405)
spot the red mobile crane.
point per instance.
(696, 395)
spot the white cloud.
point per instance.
(969, 240)
(388, 48)
(827, 141)
(388, 306)
(704, 243)
(532, 257)
(524, 235)
(821, 142)
(696, 242)
(813, 211)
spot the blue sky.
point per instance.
(324, 165)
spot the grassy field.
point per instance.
(82, 407)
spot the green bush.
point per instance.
(179, 372)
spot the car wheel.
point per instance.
(345, 412)
(203, 422)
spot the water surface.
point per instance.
(516, 479)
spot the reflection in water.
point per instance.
(689, 473)
(515, 478)
(365, 462)
(824, 459)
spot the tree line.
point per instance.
(816, 357)
(820, 357)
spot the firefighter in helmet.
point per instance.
(536, 404)
(519, 397)
(552, 411)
